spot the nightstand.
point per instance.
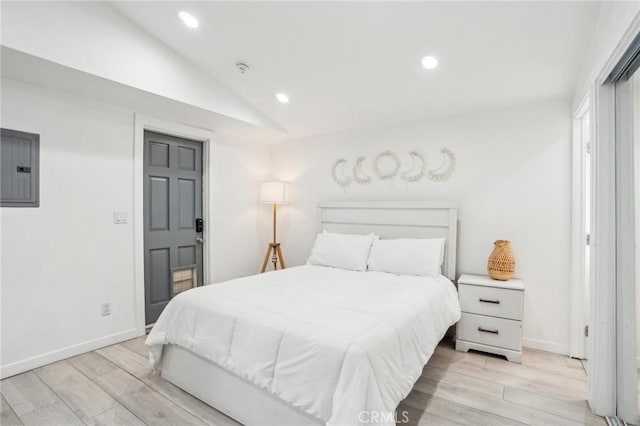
(491, 316)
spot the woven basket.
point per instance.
(501, 265)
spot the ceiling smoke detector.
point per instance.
(242, 67)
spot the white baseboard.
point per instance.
(59, 354)
(546, 346)
(80, 348)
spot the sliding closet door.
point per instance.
(636, 147)
(627, 378)
(627, 115)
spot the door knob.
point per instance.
(200, 240)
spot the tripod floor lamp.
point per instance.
(274, 193)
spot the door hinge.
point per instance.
(586, 331)
(588, 147)
(588, 239)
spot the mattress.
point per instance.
(331, 342)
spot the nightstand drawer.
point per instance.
(491, 331)
(497, 302)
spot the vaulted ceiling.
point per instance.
(353, 65)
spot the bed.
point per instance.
(314, 345)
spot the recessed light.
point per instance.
(189, 20)
(282, 98)
(429, 62)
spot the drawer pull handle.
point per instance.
(484, 330)
(496, 302)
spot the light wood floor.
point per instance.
(115, 386)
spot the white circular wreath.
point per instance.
(342, 182)
(391, 173)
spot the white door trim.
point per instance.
(578, 235)
(602, 350)
(142, 123)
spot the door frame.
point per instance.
(142, 123)
(602, 381)
(577, 347)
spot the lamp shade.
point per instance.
(274, 192)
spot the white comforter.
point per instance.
(332, 342)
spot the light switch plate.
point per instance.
(120, 216)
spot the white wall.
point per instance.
(114, 48)
(512, 182)
(614, 19)
(62, 260)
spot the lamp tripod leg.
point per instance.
(266, 258)
(279, 251)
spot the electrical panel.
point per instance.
(19, 169)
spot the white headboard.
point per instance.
(395, 219)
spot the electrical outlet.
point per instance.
(105, 309)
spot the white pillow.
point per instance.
(422, 257)
(345, 251)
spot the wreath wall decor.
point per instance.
(345, 181)
(437, 176)
(387, 164)
(406, 175)
(357, 172)
(389, 174)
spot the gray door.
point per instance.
(172, 208)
